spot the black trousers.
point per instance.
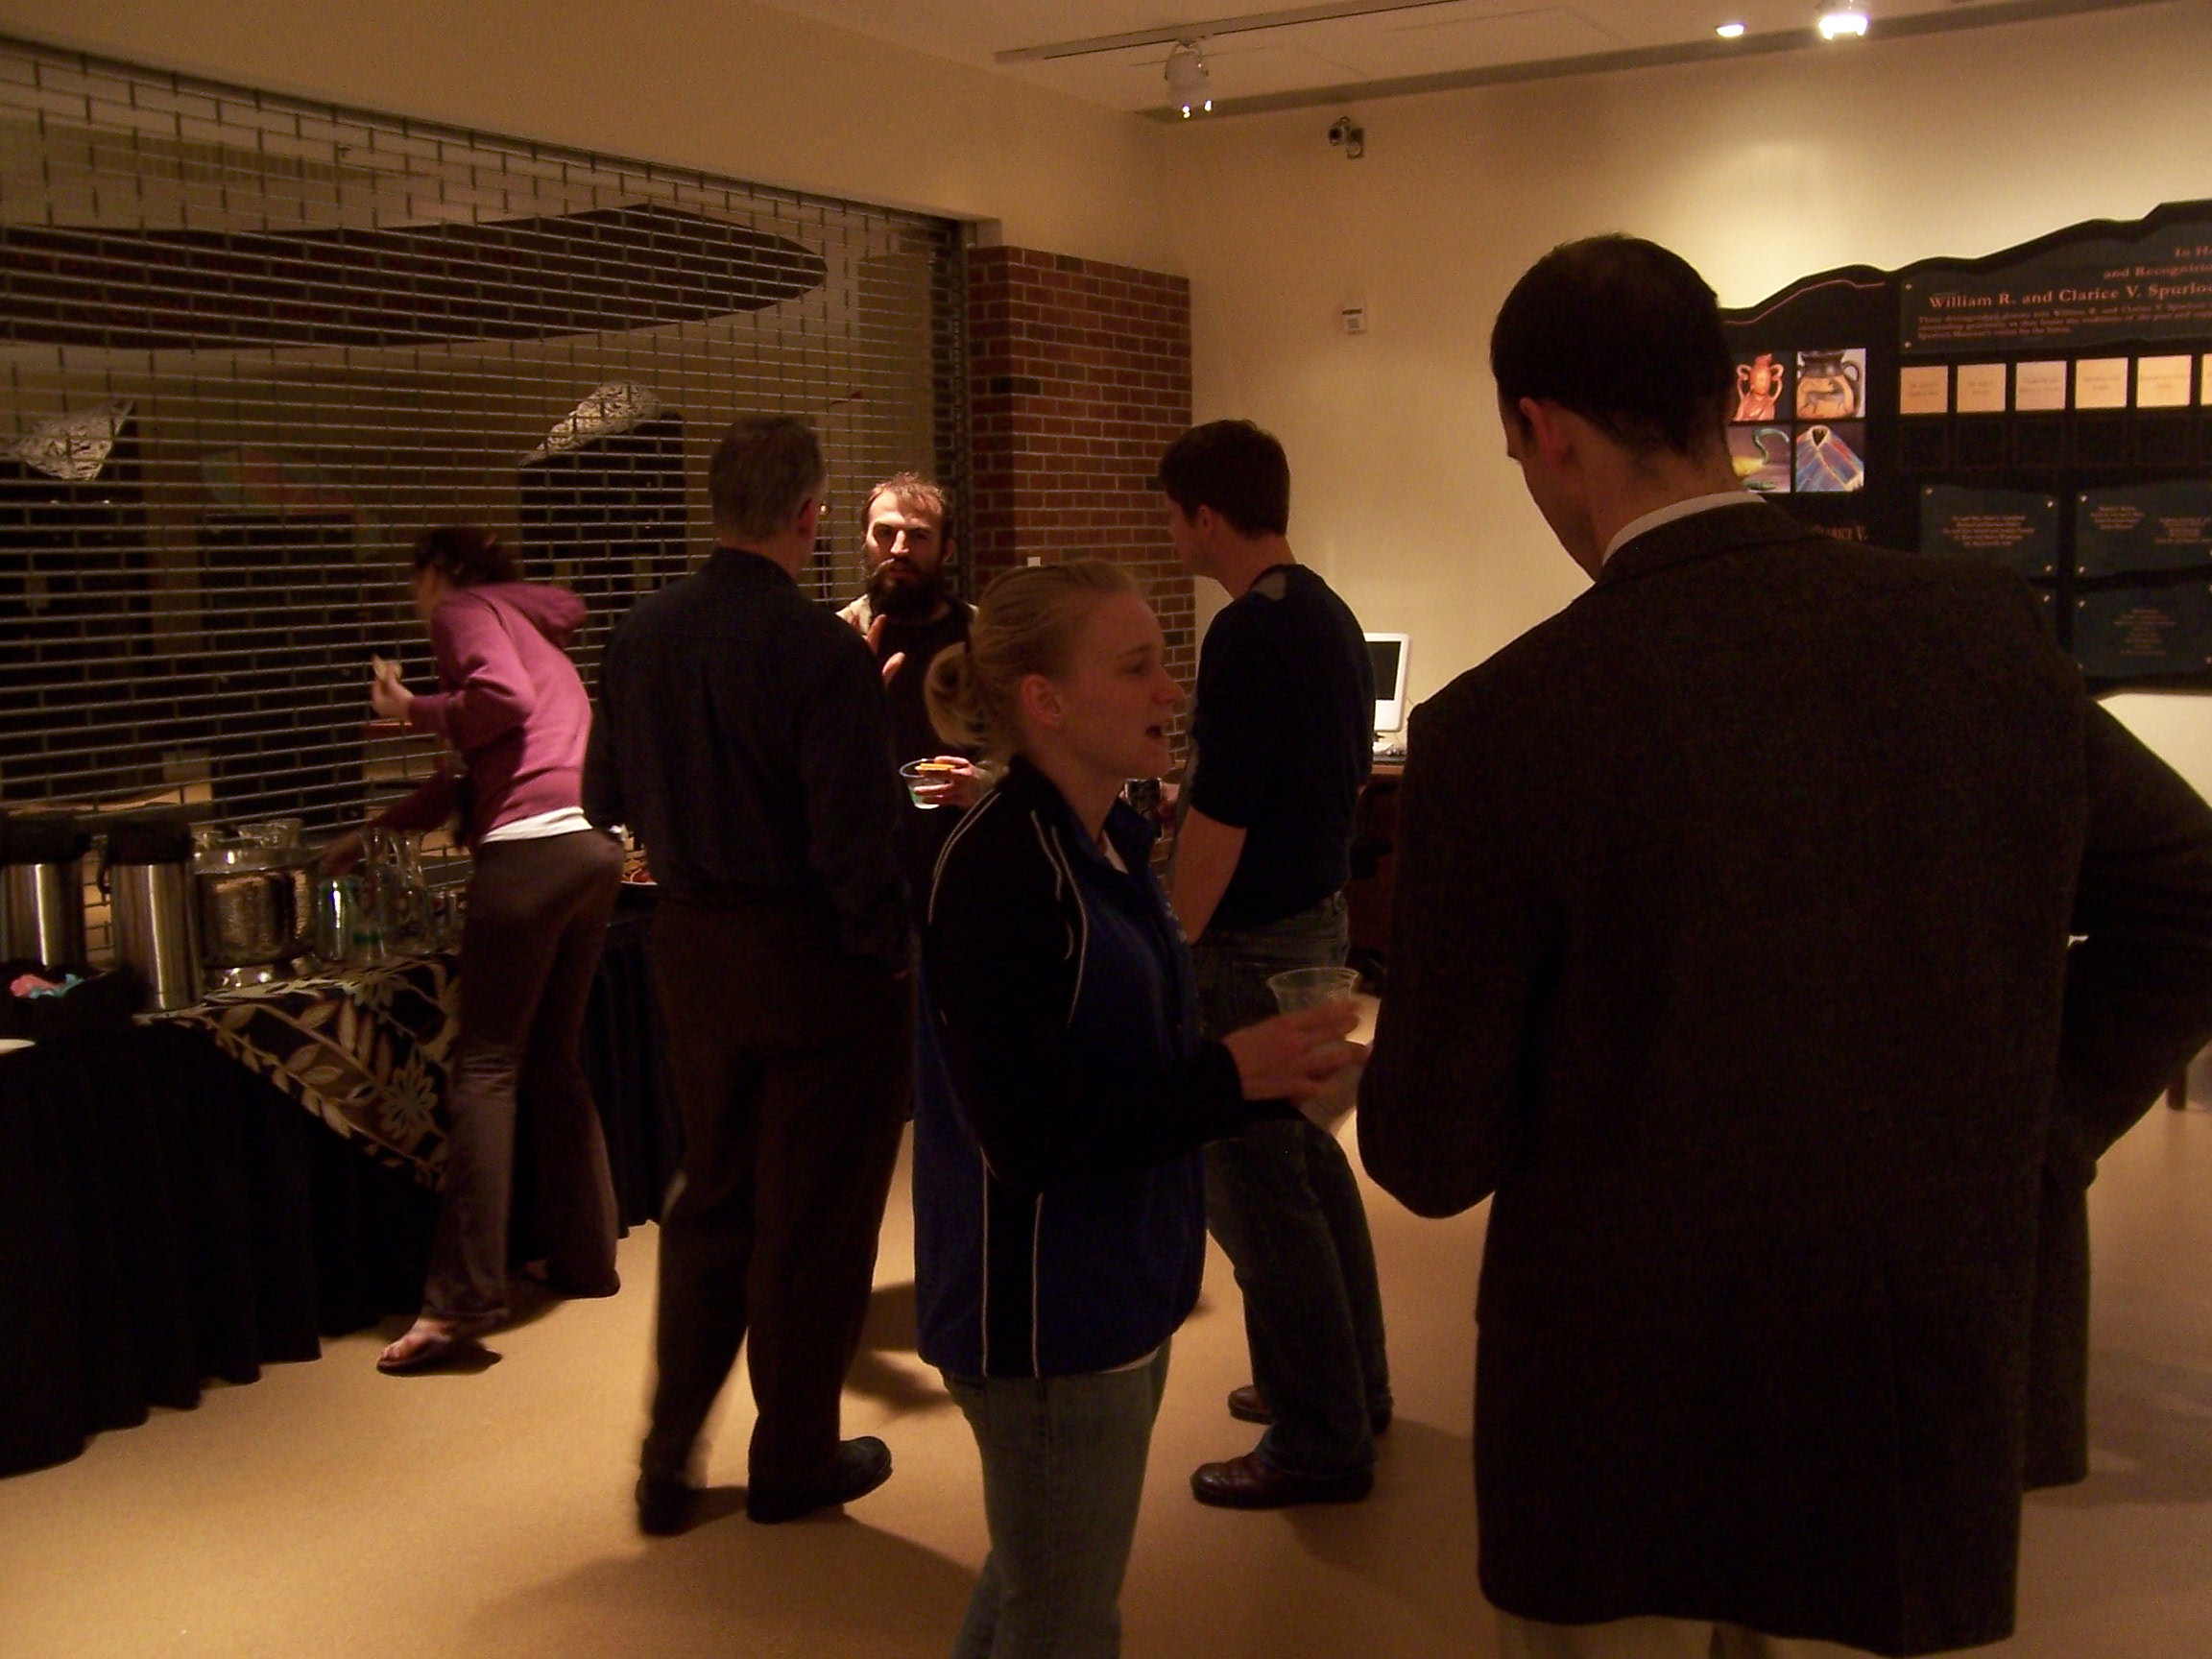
(538, 916)
(792, 1061)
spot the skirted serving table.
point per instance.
(210, 1191)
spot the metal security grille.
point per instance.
(253, 347)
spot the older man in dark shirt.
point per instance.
(741, 734)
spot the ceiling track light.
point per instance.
(1841, 20)
(1189, 86)
(1194, 28)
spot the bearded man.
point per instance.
(908, 614)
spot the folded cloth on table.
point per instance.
(46, 1002)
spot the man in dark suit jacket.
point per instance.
(1731, 958)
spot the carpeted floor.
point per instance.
(329, 1511)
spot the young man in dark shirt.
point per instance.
(1282, 740)
(907, 614)
(740, 732)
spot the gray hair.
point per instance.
(764, 470)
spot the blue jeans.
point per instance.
(1063, 1472)
(1282, 1202)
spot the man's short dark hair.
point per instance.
(763, 471)
(1625, 335)
(1235, 469)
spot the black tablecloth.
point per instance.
(166, 1216)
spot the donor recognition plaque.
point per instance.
(2145, 633)
(2131, 527)
(2047, 408)
(2015, 528)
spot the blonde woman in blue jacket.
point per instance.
(1063, 1091)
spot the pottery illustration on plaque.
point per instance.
(1758, 388)
(1828, 462)
(1761, 457)
(1831, 385)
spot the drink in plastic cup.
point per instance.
(921, 775)
(1300, 988)
(1311, 987)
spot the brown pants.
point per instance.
(792, 1061)
(538, 916)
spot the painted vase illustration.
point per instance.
(1828, 386)
(1826, 464)
(1758, 388)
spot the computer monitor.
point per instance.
(1387, 653)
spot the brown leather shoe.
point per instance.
(1247, 1406)
(1247, 1483)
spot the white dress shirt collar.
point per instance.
(1672, 511)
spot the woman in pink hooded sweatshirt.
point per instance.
(510, 702)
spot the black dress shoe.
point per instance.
(589, 1288)
(584, 1289)
(1247, 1405)
(1247, 1483)
(862, 1465)
(664, 1505)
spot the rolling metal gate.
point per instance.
(255, 346)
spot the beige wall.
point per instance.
(1759, 172)
(722, 85)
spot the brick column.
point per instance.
(1080, 377)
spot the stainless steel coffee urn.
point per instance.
(147, 875)
(256, 909)
(42, 888)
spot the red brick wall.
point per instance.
(1081, 377)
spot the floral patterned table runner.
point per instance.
(364, 1049)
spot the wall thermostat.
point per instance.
(1354, 319)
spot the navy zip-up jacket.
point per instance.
(1062, 1093)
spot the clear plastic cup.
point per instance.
(1300, 988)
(921, 775)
